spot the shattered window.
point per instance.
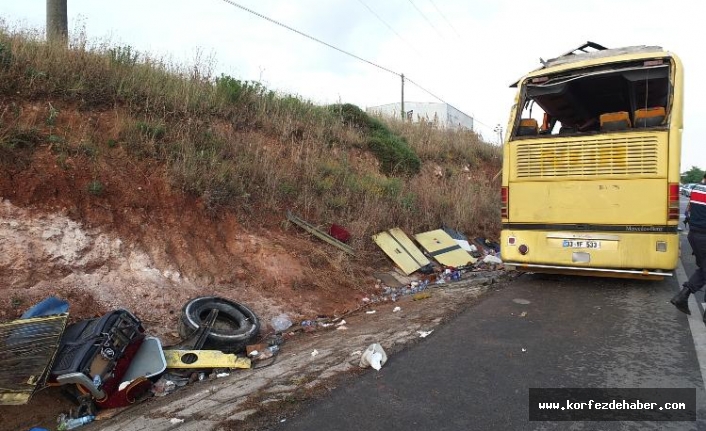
(622, 96)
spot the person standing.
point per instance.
(697, 239)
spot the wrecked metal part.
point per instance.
(27, 350)
(319, 233)
(443, 248)
(397, 245)
(198, 359)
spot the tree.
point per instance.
(693, 175)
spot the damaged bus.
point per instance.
(591, 163)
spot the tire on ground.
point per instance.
(235, 327)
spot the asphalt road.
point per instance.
(542, 331)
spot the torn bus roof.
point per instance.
(581, 54)
(27, 351)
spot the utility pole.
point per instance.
(404, 114)
(499, 130)
(57, 21)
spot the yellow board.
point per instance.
(401, 250)
(443, 248)
(27, 350)
(204, 359)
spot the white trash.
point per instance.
(492, 259)
(396, 309)
(281, 323)
(374, 356)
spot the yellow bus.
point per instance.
(591, 163)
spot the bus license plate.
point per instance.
(581, 244)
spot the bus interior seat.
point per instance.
(613, 121)
(650, 117)
(528, 127)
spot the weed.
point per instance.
(112, 143)
(153, 132)
(124, 56)
(53, 114)
(16, 302)
(95, 188)
(6, 56)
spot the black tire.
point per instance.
(235, 327)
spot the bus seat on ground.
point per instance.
(615, 121)
(528, 127)
(650, 117)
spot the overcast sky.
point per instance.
(467, 52)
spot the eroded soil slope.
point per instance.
(105, 230)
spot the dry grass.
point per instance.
(242, 147)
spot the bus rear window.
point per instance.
(625, 96)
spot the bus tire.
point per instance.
(235, 327)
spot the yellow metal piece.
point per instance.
(204, 359)
(27, 351)
(401, 250)
(443, 248)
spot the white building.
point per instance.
(443, 114)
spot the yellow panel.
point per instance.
(444, 248)
(204, 359)
(401, 250)
(633, 202)
(27, 351)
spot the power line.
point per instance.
(427, 19)
(309, 37)
(232, 3)
(389, 27)
(445, 19)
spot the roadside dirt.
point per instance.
(147, 248)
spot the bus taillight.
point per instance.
(673, 211)
(504, 196)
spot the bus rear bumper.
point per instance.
(590, 272)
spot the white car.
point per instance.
(686, 189)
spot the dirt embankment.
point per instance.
(137, 243)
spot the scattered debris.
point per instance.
(424, 334)
(397, 245)
(521, 301)
(492, 259)
(66, 423)
(341, 323)
(319, 233)
(175, 421)
(524, 350)
(421, 295)
(397, 309)
(281, 323)
(444, 249)
(374, 356)
(339, 232)
(371, 312)
(314, 353)
(342, 328)
(523, 314)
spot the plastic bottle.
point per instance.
(69, 424)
